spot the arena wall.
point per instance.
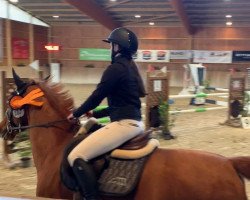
(73, 37)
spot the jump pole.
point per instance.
(218, 89)
(196, 110)
(203, 95)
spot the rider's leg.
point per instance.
(106, 139)
(86, 179)
(98, 143)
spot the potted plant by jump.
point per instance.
(166, 122)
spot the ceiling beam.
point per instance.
(179, 9)
(94, 11)
(164, 17)
(117, 3)
(42, 4)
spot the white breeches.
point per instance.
(106, 139)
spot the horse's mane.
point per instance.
(59, 98)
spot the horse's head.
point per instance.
(36, 104)
(16, 120)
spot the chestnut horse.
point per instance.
(169, 174)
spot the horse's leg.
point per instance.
(6, 158)
(50, 186)
(5, 151)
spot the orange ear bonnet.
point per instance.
(17, 102)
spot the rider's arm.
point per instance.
(109, 81)
(101, 113)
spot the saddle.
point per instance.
(130, 155)
(137, 142)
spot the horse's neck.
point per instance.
(48, 143)
(47, 146)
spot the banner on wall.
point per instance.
(152, 56)
(212, 56)
(241, 56)
(1, 40)
(180, 54)
(140, 56)
(94, 54)
(20, 48)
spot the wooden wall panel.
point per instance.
(21, 30)
(160, 44)
(78, 31)
(74, 37)
(226, 33)
(172, 38)
(160, 32)
(72, 63)
(221, 44)
(40, 40)
(68, 54)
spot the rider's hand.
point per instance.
(71, 118)
(89, 114)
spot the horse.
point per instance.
(168, 174)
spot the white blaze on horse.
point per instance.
(168, 174)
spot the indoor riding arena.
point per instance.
(193, 57)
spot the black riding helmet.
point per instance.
(125, 38)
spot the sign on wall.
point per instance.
(94, 54)
(152, 56)
(140, 56)
(180, 54)
(52, 47)
(1, 40)
(241, 55)
(161, 56)
(20, 48)
(212, 56)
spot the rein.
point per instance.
(45, 125)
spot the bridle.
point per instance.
(14, 128)
(17, 119)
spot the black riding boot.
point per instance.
(86, 179)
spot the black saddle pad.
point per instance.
(121, 177)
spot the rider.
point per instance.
(122, 84)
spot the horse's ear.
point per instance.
(18, 81)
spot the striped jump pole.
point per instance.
(196, 110)
(200, 95)
(218, 89)
(215, 102)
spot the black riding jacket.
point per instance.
(119, 83)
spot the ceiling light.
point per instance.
(14, 1)
(113, 0)
(55, 16)
(228, 16)
(229, 23)
(151, 23)
(137, 16)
